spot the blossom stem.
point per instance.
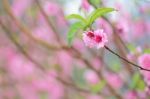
(129, 62)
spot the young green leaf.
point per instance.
(95, 3)
(76, 16)
(97, 13)
(73, 29)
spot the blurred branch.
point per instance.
(25, 29)
(135, 65)
(20, 47)
(49, 22)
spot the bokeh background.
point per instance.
(37, 63)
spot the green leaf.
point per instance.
(73, 29)
(137, 82)
(76, 16)
(98, 87)
(95, 3)
(97, 13)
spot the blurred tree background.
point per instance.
(36, 61)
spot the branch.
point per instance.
(129, 62)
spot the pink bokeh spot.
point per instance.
(130, 95)
(144, 61)
(114, 80)
(85, 5)
(91, 77)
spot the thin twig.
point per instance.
(133, 64)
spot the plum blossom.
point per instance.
(95, 38)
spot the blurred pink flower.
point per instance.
(130, 56)
(138, 28)
(78, 44)
(96, 63)
(8, 94)
(18, 67)
(61, 22)
(51, 8)
(144, 8)
(122, 28)
(144, 61)
(114, 80)
(130, 95)
(65, 62)
(44, 33)
(91, 77)
(50, 85)
(95, 38)
(94, 97)
(24, 93)
(148, 26)
(19, 6)
(104, 25)
(85, 5)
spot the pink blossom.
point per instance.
(95, 38)
(122, 28)
(19, 6)
(23, 90)
(138, 28)
(85, 5)
(144, 61)
(94, 97)
(114, 80)
(105, 25)
(51, 8)
(8, 94)
(44, 33)
(96, 63)
(79, 45)
(131, 56)
(130, 95)
(91, 77)
(65, 61)
(148, 26)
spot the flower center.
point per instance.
(90, 34)
(98, 38)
